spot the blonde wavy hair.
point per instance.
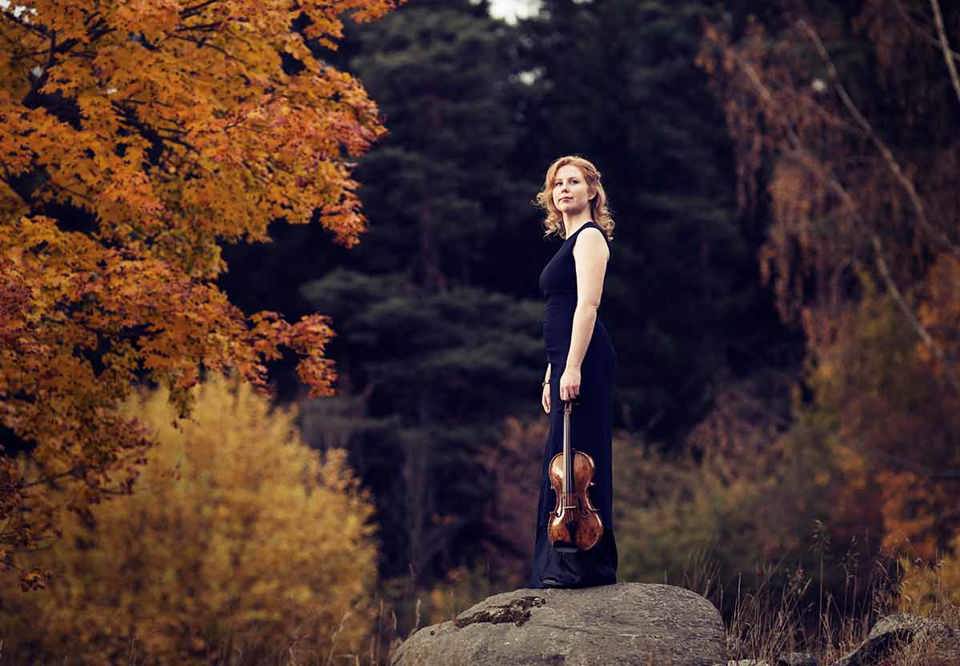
(553, 223)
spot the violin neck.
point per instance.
(567, 453)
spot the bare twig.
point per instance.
(919, 28)
(333, 638)
(764, 92)
(887, 276)
(882, 147)
(945, 46)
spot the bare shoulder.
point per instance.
(591, 241)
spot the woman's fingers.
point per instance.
(570, 384)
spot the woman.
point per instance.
(580, 364)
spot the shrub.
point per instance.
(237, 538)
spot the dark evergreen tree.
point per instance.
(446, 204)
(437, 311)
(438, 372)
(431, 328)
(616, 81)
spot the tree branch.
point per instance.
(39, 29)
(196, 9)
(887, 276)
(204, 43)
(854, 209)
(945, 46)
(882, 147)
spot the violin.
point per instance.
(575, 523)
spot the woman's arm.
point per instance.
(590, 253)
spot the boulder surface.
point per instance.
(624, 623)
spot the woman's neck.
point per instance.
(574, 222)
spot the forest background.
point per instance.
(783, 294)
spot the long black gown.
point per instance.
(590, 421)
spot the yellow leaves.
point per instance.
(927, 588)
(262, 548)
(186, 102)
(851, 462)
(359, 10)
(173, 129)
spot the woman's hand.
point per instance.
(570, 383)
(545, 398)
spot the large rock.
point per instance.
(942, 642)
(625, 623)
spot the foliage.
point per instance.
(926, 589)
(135, 136)
(437, 372)
(844, 117)
(673, 513)
(442, 190)
(754, 498)
(510, 520)
(213, 550)
(896, 430)
(431, 333)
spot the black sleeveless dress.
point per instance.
(590, 425)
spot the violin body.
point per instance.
(575, 523)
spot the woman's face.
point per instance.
(570, 191)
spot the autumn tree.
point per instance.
(845, 121)
(213, 551)
(134, 137)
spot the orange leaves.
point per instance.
(152, 18)
(170, 126)
(862, 245)
(910, 510)
(307, 337)
(210, 89)
(939, 312)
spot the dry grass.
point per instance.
(765, 624)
